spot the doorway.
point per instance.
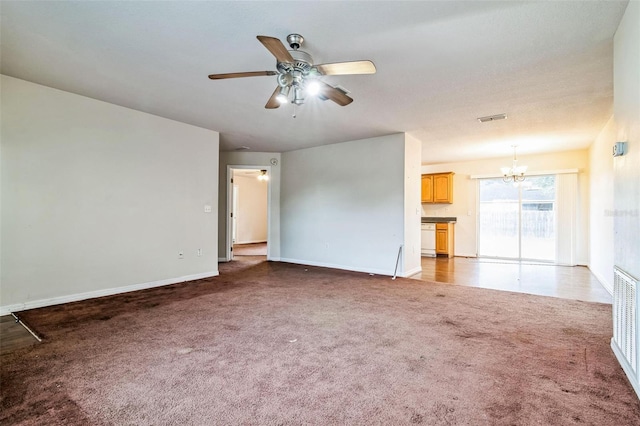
(248, 201)
(518, 221)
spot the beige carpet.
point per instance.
(280, 344)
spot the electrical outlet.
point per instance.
(199, 253)
(180, 255)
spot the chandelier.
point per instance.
(514, 173)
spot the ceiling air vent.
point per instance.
(242, 148)
(492, 118)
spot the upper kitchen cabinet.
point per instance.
(443, 188)
(437, 188)
(427, 188)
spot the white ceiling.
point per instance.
(548, 65)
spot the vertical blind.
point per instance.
(566, 202)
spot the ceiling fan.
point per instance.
(298, 76)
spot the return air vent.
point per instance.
(625, 315)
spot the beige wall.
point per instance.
(465, 194)
(98, 199)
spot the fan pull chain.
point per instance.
(294, 110)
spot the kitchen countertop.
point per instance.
(431, 219)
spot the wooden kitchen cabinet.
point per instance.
(443, 188)
(437, 188)
(427, 188)
(444, 239)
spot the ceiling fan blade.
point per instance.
(273, 103)
(241, 74)
(334, 94)
(276, 48)
(344, 68)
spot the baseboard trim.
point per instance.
(411, 272)
(472, 255)
(334, 266)
(602, 281)
(41, 303)
(250, 242)
(628, 371)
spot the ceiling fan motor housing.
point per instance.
(302, 62)
(295, 40)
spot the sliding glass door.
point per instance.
(499, 220)
(518, 221)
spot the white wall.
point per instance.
(251, 215)
(465, 194)
(626, 169)
(98, 198)
(601, 206)
(258, 160)
(412, 209)
(343, 205)
(626, 77)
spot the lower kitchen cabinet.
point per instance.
(444, 239)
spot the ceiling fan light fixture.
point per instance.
(294, 67)
(283, 96)
(313, 88)
(297, 96)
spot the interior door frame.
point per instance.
(234, 208)
(229, 222)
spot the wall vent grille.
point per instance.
(492, 118)
(625, 316)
